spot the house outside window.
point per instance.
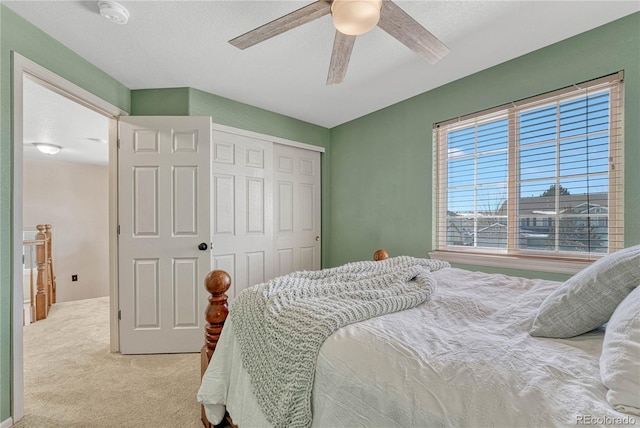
(538, 178)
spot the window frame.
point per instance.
(511, 256)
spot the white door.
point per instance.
(296, 209)
(242, 200)
(163, 210)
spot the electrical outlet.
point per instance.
(74, 277)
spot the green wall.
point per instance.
(160, 102)
(19, 36)
(381, 164)
(224, 111)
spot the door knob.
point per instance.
(317, 238)
(203, 246)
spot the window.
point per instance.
(541, 177)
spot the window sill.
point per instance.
(539, 264)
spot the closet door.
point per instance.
(296, 209)
(241, 206)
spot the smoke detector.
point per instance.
(113, 11)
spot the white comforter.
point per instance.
(464, 358)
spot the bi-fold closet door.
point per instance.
(265, 208)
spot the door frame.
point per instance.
(238, 131)
(23, 67)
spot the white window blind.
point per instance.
(540, 177)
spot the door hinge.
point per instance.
(118, 142)
(118, 229)
(119, 314)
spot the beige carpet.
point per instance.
(71, 379)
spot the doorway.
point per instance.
(23, 70)
(67, 186)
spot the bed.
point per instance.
(463, 357)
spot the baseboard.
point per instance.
(6, 423)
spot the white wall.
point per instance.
(74, 199)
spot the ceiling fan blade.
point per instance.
(342, 47)
(409, 32)
(285, 23)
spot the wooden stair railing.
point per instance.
(32, 244)
(44, 295)
(42, 306)
(51, 278)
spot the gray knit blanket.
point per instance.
(281, 324)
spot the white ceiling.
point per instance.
(184, 43)
(51, 118)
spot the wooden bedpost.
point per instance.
(380, 255)
(217, 283)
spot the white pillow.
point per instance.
(620, 359)
(586, 300)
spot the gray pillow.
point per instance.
(620, 359)
(587, 299)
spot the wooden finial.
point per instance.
(380, 255)
(217, 282)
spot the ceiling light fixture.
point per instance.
(355, 17)
(113, 11)
(48, 149)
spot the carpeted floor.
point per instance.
(72, 381)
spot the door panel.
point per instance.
(297, 209)
(185, 200)
(146, 285)
(285, 206)
(285, 261)
(242, 178)
(224, 209)
(186, 291)
(145, 201)
(164, 203)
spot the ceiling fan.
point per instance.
(352, 18)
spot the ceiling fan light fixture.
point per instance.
(47, 148)
(355, 17)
